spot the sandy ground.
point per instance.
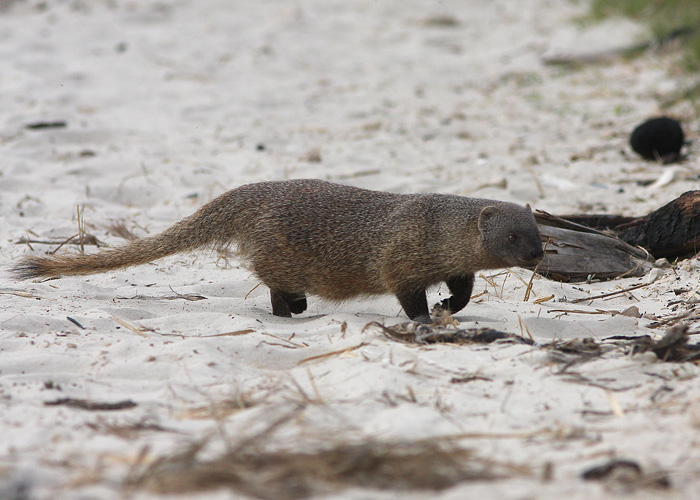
(168, 104)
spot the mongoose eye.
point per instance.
(512, 238)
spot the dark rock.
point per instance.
(658, 139)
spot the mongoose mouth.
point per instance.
(533, 262)
(536, 256)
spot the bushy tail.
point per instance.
(206, 227)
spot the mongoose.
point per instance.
(314, 237)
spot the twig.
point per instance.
(640, 264)
(332, 353)
(137, 329)
(187, 296)
(610, 294)
(523, 327)
(227, 334)
(64, 242)
(581, 311)
(490, 281)
(538, 185)
(27, 241)
(542, 300)
(314, 387)
(283, 340)
(676, 317)
(269, 429)
(26, 295)
(81, 226)
(252, 290)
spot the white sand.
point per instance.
(166, 104)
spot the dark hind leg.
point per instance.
(285, 304)
(461, 290)
(415, 305)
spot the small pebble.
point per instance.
(655, 274)
(662, 263)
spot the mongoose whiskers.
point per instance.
(311, 237)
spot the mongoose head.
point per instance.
(510, 233)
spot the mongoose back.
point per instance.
(311, 237)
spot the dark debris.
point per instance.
(627, 474)
(303, 472)
(45, 125)
(85, 404)
(673, 347)
(412, 333)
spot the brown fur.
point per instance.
(314, 237)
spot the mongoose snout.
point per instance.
(536, 252)
(311, 237)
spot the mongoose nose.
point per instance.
(537, 253)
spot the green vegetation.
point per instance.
(668, 19)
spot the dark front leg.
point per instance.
(415, 305)
(461, 289)
(285, 303)
(297, 305)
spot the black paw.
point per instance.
(297, 306)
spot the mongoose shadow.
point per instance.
(311, 237)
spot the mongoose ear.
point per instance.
(487, 213)
(529, 209)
